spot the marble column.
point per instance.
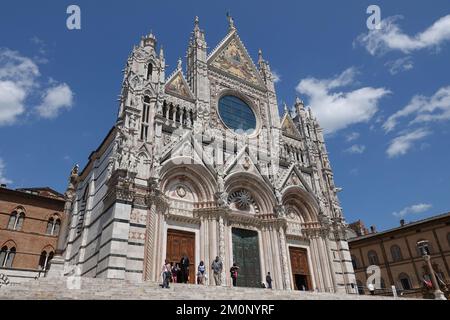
(284, 260)
(222, 246)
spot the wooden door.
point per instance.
(300, 268)
(178, 244)
(246, 255)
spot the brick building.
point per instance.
(30, 220)
(395, 251)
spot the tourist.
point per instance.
(166, 273)
(175, 270)
(234, 274)
(269, 280)
(184, 264)
(217, 267)
(201, 273)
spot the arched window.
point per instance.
(373, 257)
(7, 257)
(12, 220)
(355, 262)
(16, 220)
(396, 253)
(426, 245)
(49, 226)
(3, 253)
(145, 118)
(405, 282)
(53, 225)
(149, 70)
(44, 260)
(19, 222)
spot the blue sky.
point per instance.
(383, 97)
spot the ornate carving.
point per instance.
(181, 191)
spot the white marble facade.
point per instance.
(170, 162)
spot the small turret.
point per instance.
(149, 41)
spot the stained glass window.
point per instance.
(237, 115)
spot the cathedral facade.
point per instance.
(200, 163)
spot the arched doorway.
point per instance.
(246, 256)
(300, 269)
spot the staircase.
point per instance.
(94, 288)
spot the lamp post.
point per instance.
(423, 248)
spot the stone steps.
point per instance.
(94, 289)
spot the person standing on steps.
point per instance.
(201, 273)
(166, 273)
(175, 271)
(217, 267)
(234, 273)
(269, 281)
(184, 264)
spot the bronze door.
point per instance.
(246, 255)
(300, 269)
(178, 244)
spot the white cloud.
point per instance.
(390, 37)
(3, 179)
(54, 100)
(414, 209)
(425, 109)
(276, 77)
(356, 149)
(17, 79)
(400, 65)
(336, 109)
(352, 136)
(403, 143)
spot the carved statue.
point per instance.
(222, 199)
(279, 196)
(73, 179)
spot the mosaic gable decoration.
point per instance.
(288, 127)
(234, 60)
(179, 86)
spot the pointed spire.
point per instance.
(161, 53)
(286, 109)
(260, 57)
(196, 23)
(299, 103)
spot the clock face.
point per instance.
(237, 115)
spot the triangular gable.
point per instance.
(244, 162)
(232, 58)
(295, 178)
(187, 146)
(178, 86)
(288, 126)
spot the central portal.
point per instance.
(180, 243)
(246, 256)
